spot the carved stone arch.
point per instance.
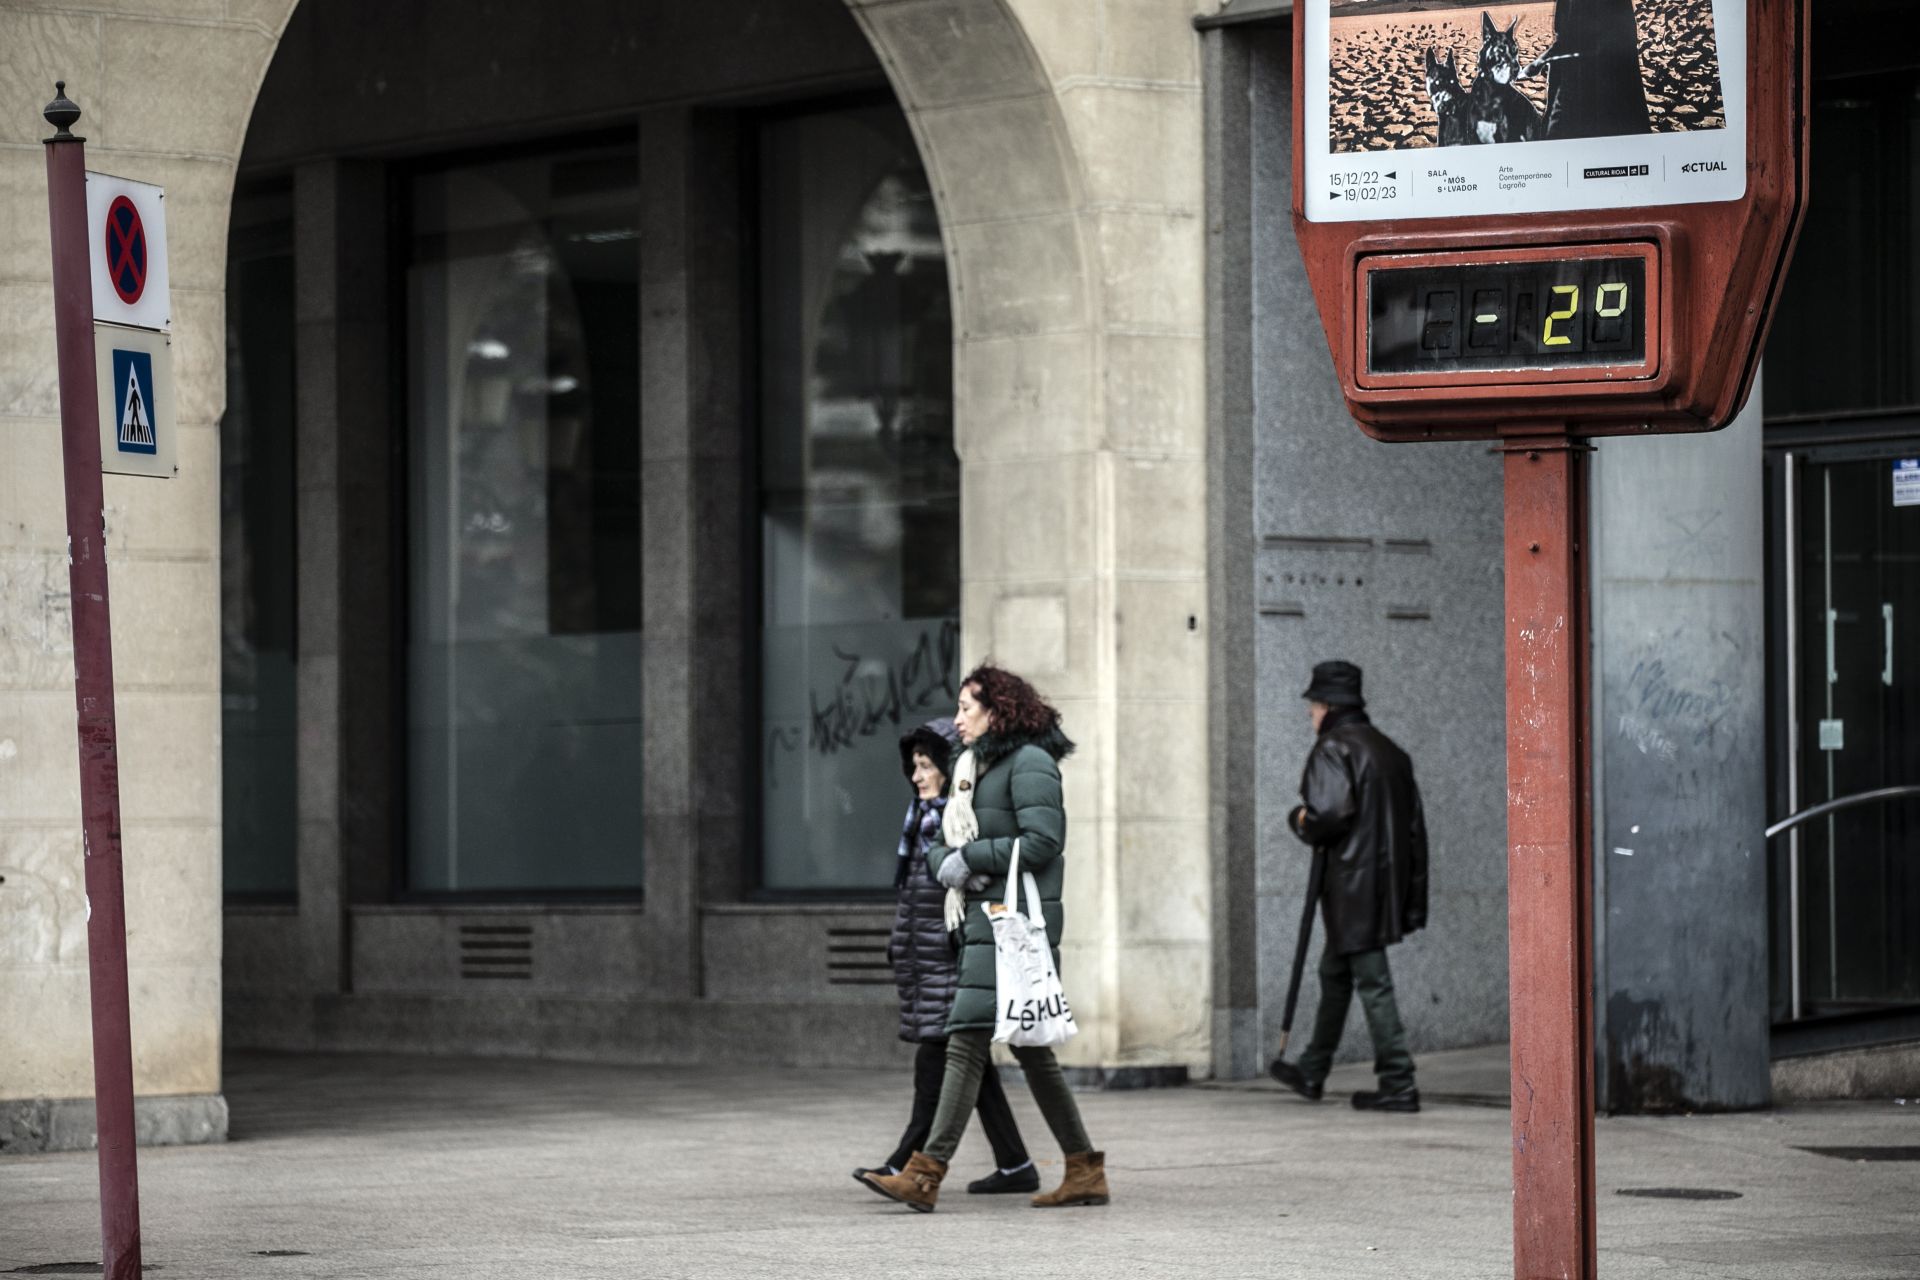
(1000, 158)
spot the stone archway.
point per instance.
(165, 97)
(1065, 153)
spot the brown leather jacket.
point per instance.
(1359, 804)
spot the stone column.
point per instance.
(166, 98)
(1679, 607)
(1064, 146)
(1233, 740)
(694, 437)
(348, 744)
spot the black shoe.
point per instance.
(1407, 1099)
(1292, 1077)
(879, 1171)
(1025, 1179)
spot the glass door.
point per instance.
(1853, 877)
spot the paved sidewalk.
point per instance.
(415, 1167)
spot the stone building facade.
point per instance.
(1102, 446)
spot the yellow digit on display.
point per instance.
(1600, 303)
(1548, 338)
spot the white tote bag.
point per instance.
(1033, 1009)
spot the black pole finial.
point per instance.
(61, 113)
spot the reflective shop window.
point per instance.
(859, 491)
(258, 803)
(523, 609)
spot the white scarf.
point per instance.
(958, 827)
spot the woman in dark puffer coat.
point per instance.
(926, 970)
(1016, 745)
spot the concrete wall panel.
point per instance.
(1681, 862)
(138, 55)
(1388, 556)
(1155, 386)
(1017, 279)
(37, 47)
(1141, 145)
(1025, 396)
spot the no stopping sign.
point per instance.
(127, 242)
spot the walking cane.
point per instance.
(1315, 874)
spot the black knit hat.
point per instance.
(1335, 683)
(935, 740)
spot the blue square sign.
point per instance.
(134, 429)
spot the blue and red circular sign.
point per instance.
(126, 250)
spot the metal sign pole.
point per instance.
(93, 694)
(1549, 860)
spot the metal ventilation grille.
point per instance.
(858, 958)
(496, 951)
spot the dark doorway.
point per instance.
(1847, 721)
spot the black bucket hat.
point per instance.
(1335, 683)
(935, 740)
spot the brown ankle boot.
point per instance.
(1085, 1183)
(918, 1185)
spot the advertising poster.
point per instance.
(1447, 108)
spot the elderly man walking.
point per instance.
(1360, 810)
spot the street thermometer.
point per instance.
(1538, 224)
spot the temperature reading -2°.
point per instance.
(1507, 315)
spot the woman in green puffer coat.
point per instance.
(1016, 742)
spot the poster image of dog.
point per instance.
(1443, 73)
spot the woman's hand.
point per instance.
(953, 870)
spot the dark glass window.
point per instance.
(1846, 337)
(523, 655)
(859, 490)
(257, 580)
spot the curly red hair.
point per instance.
(1018, 710)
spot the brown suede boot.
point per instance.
(917, 1186)
(1086, 1182)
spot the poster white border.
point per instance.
(1547, 176)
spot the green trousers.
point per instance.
(967, 1058)
(1339, 975)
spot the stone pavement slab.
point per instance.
(388, 1167)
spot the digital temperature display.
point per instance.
(1519, 315)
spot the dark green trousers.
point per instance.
(968, 1053)
(1339, 975)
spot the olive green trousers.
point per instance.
(968, 1053)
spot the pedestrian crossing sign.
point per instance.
(133, 374)
(134, 369)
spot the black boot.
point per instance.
(1407, 1099)
(1002, 1181)
(1295, 1079)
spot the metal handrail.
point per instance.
(1844, 802)
(1820, 810)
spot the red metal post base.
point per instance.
(1549, 860)
(93, 697)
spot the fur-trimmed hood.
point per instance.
(936, 739)
(991, 748)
